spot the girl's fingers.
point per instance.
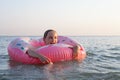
(46, 60)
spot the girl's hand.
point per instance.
(45, 60)
(76, 51)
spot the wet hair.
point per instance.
(46, 33)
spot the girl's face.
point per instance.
(51, 38)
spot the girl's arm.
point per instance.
(42, 58)
(31, 52)
(76, 51)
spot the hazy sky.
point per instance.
(67, 17)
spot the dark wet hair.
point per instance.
(46, 33)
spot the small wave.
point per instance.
(115, 48)
(101, 76)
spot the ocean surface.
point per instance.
(102, 62)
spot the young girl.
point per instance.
(50, 37)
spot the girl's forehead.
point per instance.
(52, 33)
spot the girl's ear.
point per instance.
(43, 39)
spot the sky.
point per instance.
(67, 17)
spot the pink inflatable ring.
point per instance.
(56, 52)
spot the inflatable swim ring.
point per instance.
(56, 52)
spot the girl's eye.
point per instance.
(52, 37)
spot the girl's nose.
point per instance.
(53, 40)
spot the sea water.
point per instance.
(102, 62)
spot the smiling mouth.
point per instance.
(52, 43)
